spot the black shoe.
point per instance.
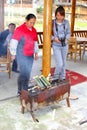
(53, 80)
(62, 80)
(18, 94)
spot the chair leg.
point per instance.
(80, 54)
(9, 70)
(71, 55)
(7, 66)
(75, 57)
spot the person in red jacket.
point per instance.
(24, 46)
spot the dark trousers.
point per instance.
(3, 50)
(25, 66)
(14, 65)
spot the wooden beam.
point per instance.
(1, 15)
(47, 32)
(73, 15)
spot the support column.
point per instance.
(1, 15)
(73, 15)
(47, 32)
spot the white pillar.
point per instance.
(34, 3)
(1, 15)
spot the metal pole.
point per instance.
(47, 32)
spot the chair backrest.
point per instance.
(80, 33)
(72, 41)
(40, 39)
(74, 48)
(5, 62)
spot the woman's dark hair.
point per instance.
(30, 16)
(61, 10)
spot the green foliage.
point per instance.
(81, 25)
(39, 9)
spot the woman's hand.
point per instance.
(12, 57)
(36, 56)
(57, 40)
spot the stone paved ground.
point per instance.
(53, 117)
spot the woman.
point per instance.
(61, 33)
(24, 45)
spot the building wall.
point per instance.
(81, 11)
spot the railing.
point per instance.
(40, 39)
(79, 33)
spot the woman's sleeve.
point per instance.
(13, 46)
(67, 31)
(14, 41)
(36, 48)
(35, 35)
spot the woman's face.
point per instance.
(59, 17)
(30, 23)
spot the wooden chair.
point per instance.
(74, 48)
(40, 39)
(5, 63)
(81, 33)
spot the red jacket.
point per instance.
(30, 36)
